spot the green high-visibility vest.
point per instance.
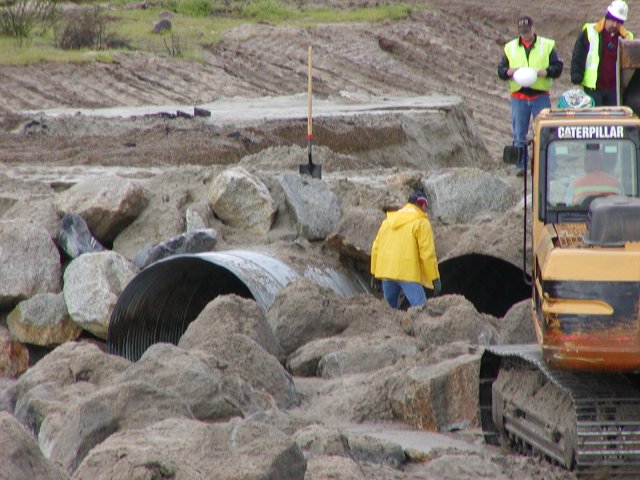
(538, 60)
(590, 77)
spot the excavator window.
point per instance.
(578, 170)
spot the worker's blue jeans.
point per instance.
(521, 113)
(412, 290)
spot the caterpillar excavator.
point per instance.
(574, 397)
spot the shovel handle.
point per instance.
(309, 95)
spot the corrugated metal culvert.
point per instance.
(161, 301)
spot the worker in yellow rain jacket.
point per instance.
(403, 253)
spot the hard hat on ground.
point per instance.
(618, 11)
(525, 76)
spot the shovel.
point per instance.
(310, 168)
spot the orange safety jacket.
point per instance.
(595, 183)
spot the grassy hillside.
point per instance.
(92, 32)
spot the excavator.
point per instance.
(573, 397)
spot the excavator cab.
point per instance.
(574, 397)
(586, 238)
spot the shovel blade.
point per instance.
(311, 169)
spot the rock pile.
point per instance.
(244, 393)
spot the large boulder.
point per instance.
(61, 378)
(517, 324)
(303, 311)
(437, 397)
(228, 314)
(92, 284)
(199, 216)
(124, 406)
(354, 233)
(242, 200)
(30, 262)
(74, 237)
(457, 195)
(205, 383)
(41, 212)
(168, 193)
(181, 448)
(108, 204)
(43, 320)
(453, 318)
(314, 207)
(367, 354)
(194, 241)
(253, 364)
(20, 457)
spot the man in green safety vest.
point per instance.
(530, 51)
(595, 53)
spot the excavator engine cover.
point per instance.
(614, 220)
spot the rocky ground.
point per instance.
(254, 85)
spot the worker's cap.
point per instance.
(524, 24)
(418, 198)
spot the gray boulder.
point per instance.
(30, 262)
(314, 207)
(242, 200)
(74, 237)
(92, 285)
(452, 318)
(198, 216)
(61, 378)
(436, 397)
(20, 457)
(457, 195)
(130, 405)
(228, 314)
(517, 325)
(161, 26)
(304, 311)
(41, 212)
(194, 241)
(203, 382)
(367, 354)
(108, 204)
(354, 233)
(181, 448)
(253, 364)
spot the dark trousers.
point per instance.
(602, 98)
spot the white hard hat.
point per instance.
(618, 9)
(525, 76)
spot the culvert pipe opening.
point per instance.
(493, 285)
(162, 300)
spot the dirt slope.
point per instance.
(453, 48)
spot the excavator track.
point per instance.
(590, 423)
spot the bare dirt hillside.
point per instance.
(452, 48)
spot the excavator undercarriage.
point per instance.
(585, 421)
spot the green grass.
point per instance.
(195, 24)
(39, 50)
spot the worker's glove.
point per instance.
(375, 284)
(437, 287)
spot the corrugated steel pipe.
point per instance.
(162, 300)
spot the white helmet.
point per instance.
(618, 9)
